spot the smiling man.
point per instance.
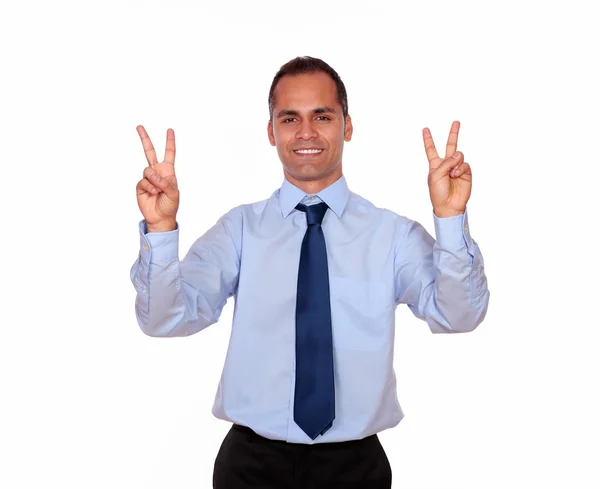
(316, 272)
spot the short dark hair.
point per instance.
(306, 64)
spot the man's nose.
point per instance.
(306, 131)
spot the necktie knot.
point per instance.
(314, 213)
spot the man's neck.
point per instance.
(313, 186)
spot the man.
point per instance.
(317, 272)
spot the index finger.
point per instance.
(452, 139)
(148, 148)
(430, 150)
(170, 148)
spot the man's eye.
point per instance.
(323, 118)
(288, 119)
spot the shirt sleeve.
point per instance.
(443, 282)
(182, 297)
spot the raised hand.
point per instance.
(449, 179)
(157, 192)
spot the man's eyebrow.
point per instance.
(318, 110)
(325, 110)
(283, 112)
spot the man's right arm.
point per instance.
(181, 297)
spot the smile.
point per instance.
(308, 151)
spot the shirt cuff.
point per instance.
(452, 233)
(159, 247)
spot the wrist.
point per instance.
(442, 212)
(161, 226)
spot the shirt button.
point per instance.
(146, 247)
(474, 271)
(466, 228)
(313, 198)
(144, 291)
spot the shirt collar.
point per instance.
(335, 196)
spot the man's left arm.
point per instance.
(442, 281)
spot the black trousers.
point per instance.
(247, 460)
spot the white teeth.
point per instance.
(308, 151)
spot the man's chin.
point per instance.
(309, 173)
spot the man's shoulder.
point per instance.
(366, 206)
(241, 210)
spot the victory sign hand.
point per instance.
(449, 179)
(157, 192)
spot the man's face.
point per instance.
(308, 128)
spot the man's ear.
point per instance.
(270, 133)
(348, 129)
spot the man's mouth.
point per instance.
(308, 152)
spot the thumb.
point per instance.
(163, 184)
(449, 163)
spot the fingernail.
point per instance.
(456, 155)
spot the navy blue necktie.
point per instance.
(314, 399)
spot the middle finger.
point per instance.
(148, 147)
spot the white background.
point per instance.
(88, 401)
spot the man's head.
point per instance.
(309, 122)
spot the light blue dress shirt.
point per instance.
(377, 260)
